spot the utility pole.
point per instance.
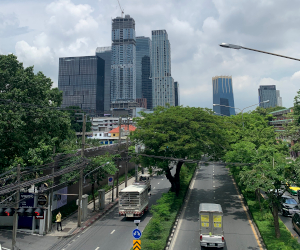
(15, 219)
(51, 196)
(81, 174)
(119, 148)
(126, 165)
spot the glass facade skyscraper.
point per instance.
(105, 54)
(82, 81)
(123, 60)
(267, 92)
(147, 81)
(177, 101)
(163, 90)
(223, 95)
(143, 48)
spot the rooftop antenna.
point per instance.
(122, 10)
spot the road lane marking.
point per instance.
(112, 231)
(97, 248)
(157, 183)
(248, 217)
(182, 214)
(154, 188)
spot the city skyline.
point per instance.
(39, 32)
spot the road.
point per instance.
(112, 231)
(213, 184)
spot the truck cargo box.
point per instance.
(211, 225)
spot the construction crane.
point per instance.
(122, 10)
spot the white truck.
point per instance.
(211, 225)
(134, 200)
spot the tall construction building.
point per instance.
(123, 60)
(105, 54)
(163, 91)
(265, 93)
(223, 95)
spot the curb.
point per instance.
(179, 213)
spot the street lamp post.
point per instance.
(241, 110)
(233, 46)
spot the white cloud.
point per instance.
(196, 27)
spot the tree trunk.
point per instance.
(257, 192)
(276, 222)
(175, 180)
(93, 193)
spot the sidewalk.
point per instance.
(69, 224)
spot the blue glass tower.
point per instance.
(143, 48)
(223, 95)
(123, 60)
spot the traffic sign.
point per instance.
(136, 233)
(110, 181)
(136, 244)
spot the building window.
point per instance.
(114, 134)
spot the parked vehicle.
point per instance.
(134, 200)
(296, 222)
(293, 189)
(288, 205)
(145, 178)
(211, 225)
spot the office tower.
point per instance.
(105, 54)
(143, 49)
(176, 87)
(267, 92)
(162, 81)
(223, 95)
(147, 81)
(123, 60)
(82, 81)
(279, 98)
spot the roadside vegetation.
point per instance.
(164, 213)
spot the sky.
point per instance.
(39, 32)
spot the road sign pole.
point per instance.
(15, 219)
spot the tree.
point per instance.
(178, 132)
(30, 123)
(77, 126)
(268, 170)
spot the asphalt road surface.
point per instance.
(112, 231)
(213, 184)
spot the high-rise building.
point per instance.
(279, 98)
(177, 101)
(123, 60)
(223, 95)
(163, 91)
(267, 92)
(143, 49)
(147, 81)
(82, 81)
(105, 54)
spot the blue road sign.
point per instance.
(136, 233)
(110, 181)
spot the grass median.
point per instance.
(164, 213)
(265, 223)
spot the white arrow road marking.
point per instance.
(112, 231)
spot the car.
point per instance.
(296, 222)
(288, 205)
(293, 189)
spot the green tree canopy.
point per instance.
(30, 124)
(77, 126)
(179, 132)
